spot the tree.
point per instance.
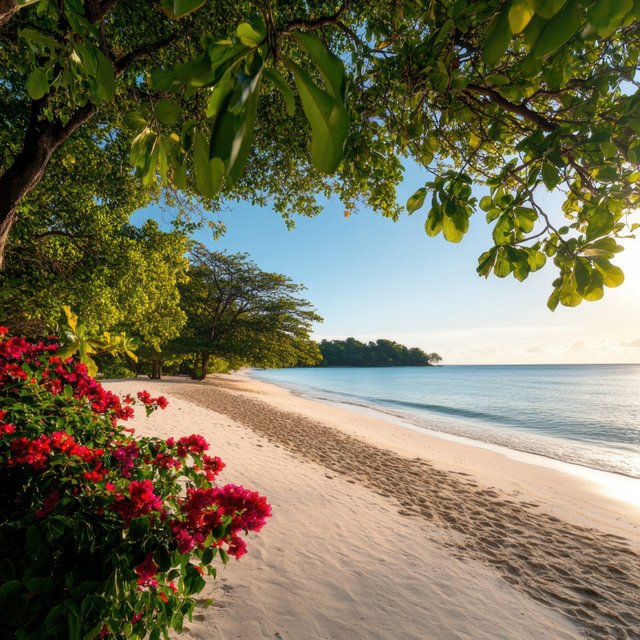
(520, 97)
(381, 353)
(114, 277)
(245, 315)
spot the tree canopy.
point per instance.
(284, 102)
(244, 315)
(381, 353)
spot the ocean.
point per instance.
(587, 415)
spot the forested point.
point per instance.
(381, 353)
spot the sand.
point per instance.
(381, 532)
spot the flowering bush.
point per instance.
(102, 533)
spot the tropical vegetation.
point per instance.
(381, 353)
(102, 534)
(224, 100)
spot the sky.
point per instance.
(370, 278)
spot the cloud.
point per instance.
(634, 344)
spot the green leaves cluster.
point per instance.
(76, 68)
(532, 96)
(229, 75)
(451, 205)
(76, 341)
(546, 25)
(522, 96)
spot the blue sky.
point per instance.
(370, 277)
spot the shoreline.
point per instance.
(378, 529)
(579, 493)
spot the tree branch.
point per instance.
(518, 109)
(318, 23)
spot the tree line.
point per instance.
(381, 353)
(190, 310)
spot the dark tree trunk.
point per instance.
(156, 369)
(41, 140)
(204, 365)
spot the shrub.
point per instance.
(102, 533)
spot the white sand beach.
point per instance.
(382, 532)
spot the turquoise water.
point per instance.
(581, 414)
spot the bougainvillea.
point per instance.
(102, 534)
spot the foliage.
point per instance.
(381, 353)
(78, 342)
(101, 533)
(116, 279)
(523, 97)
(528, 97)
(244, 315)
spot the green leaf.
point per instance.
(548, 8)
(554, 299)
(536, 259)
(604, 248)
(283, 86)
(328, 118)
(595, 290)
(525, 218)
(520, 13)
(167, 112)
(219, 96)
(72, 318)
(184, 7)
(433, 223)
(135, 121)
(607, 15)
(486, 262)
(601, 222)
(486, 203)
(561, 28)
(247, 31)
(582, 273)
(416, 200)
(455, 224)
(37, 84)
(550, 176)
(497, 38)
(329, 65)
(245, 122)
(612, 276)
(502, 231)
(502, 267)
(208, 172)
(105, 78)
(569, 296)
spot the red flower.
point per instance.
(191, 444)
(7, 428)
(147, 571)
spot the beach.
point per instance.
(383, 532)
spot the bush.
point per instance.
(102, 533)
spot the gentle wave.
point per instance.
(547, 411)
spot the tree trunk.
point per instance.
(41, 140)
(204, 363)
(156, 369)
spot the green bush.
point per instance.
(102, 533)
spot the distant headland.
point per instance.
(381, 353)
